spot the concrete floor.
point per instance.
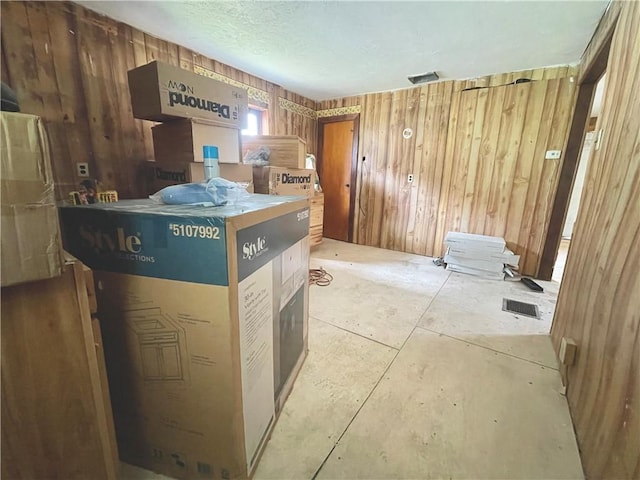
(415, 372)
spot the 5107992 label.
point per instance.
(195, 231)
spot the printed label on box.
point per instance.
(270, 259)
(255, 298)
(191, 249)
(261, 243)
(178, 92)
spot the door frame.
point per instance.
(322, 121)
(575, 142)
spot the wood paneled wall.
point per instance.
(69, 65)
(477, 156)
(500, 182)
(599, 301)
(304, 125)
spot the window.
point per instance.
(255, 121)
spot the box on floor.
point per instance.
(205, 318)
(31, 242)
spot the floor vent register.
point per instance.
(521, 308)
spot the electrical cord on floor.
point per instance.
(320, 277)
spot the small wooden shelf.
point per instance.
(315, 220)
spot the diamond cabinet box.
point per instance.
(284, 181)
(161, 175)
(163, 92)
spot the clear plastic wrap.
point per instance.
(258, 157)
(213, 193)
(310, 161)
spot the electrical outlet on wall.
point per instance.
(552, 154)
(410, 178)
(83, 169)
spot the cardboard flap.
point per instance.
(30, 243)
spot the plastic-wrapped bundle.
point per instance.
(310, 161)
(215, 192)
(258, 158)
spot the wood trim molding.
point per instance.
(294, 107)
(568, 171)
(354, 176)
(593, 65)
(601, 41)
(334, 112)
(252, 92)
(339, 118)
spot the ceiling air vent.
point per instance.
(424, 77)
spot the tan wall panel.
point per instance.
(599, 301)
(477, 156)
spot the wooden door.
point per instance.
(337, 163)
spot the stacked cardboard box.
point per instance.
(205, 310)
(182, 141)
(31, 242)
(478, 255)
(287, 173)
(284, 150)
(161, 174)
(196, 111)
(284, 181)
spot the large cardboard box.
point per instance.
(205, 315)
(162, 175)
(285, 150)
(162, 92)
(31, 243)
(284, 181)
(182, 141)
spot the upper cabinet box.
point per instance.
(162, 92)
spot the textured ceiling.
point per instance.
(324, 49)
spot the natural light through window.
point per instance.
(255, 122)
(252, 124)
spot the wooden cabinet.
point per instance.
(316, 218)
(56, 413)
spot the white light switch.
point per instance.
(552, 154)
